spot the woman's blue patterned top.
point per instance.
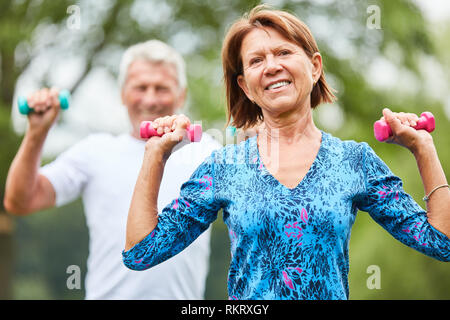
(289, 243)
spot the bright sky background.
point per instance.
(435, 10)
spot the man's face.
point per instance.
(151, 91)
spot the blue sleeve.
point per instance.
(396, 211)
(180, 223)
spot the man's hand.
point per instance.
(45, 104)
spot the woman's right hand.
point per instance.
(45, 104)
(173, 129)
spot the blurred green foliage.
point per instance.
(45, 244)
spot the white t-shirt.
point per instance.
(103, 169)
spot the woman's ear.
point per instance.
(316, 61)
(243, 85)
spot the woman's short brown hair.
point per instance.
(244, 112)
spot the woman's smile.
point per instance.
(277, 86)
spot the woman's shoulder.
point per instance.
(348, 150)
(343, 145)
(241, 152)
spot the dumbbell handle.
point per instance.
(382, 130)
(63, 96)
(194, 131)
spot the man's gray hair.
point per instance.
(153, 51)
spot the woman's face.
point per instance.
(278, 75)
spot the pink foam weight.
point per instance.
(194, 131)
(382, 130)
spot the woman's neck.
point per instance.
(291, 128)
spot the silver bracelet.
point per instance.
(427, 197)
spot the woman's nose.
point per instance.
(272, 65)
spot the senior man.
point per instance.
(103, 170)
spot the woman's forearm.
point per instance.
(438, 206)
(143, 213)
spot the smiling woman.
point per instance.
(291, 193)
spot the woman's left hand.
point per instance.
(403, 132)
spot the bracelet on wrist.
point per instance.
(427, 197)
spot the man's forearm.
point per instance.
(23, 173)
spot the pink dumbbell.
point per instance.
(194, 131)
(382, 130)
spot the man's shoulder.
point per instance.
(193, 154)
(92, 143)
(209, 141)
(207, 145)
(100, 137)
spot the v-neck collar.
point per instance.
(267, 177)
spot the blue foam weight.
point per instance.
(64, 100)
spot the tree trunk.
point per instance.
(6, 256)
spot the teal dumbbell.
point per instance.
(64, 98)
(231, 131)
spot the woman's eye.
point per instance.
(284, 52)
(254, 61)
